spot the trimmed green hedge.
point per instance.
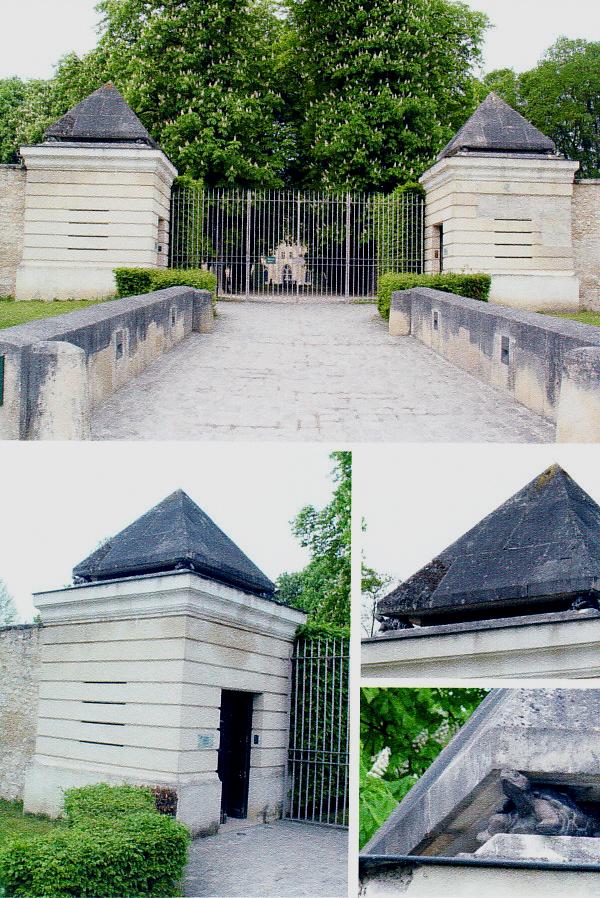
(135, 281)
(475, 286)
(116, 846)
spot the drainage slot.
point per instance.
(119, 344)
(505, 351)
(436, 320)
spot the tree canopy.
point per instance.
(561, 97)
(260, 93)
(8, 609)
(402, 732)
(322, 589)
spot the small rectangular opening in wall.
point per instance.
(119, 344)
(173, 316)
(104, 682)
(505, 351)
(436, 320)
(1, 380)
(102, 723)
(90, 702)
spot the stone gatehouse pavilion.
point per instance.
(166, 663)
(517, 595)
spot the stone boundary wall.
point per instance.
(57, 369)
(20, 667)
(550, 365)
(586, 241)
(12, 224)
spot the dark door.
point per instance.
(234, 752)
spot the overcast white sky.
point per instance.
(418, 499)
(60, 500)
(36, 33)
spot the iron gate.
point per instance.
(274, 242)
(318, 760)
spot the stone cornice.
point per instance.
(74, 157)
(497, 167)
(167, 595)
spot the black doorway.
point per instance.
(234, 752)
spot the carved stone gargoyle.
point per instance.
(393, 623)
(533, 810)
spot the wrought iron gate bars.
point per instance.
(312, 243)
(318, 757)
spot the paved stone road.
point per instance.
(326, 371)
(279, 860)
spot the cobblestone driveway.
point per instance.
(279, 860)
(327, 372)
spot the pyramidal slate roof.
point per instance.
(174, 535)
(495, 127)
(542, 544)
(103, 117)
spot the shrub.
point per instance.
(475, 286)
(116, 846)
(135, 281)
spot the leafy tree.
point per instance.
(561, 97)
(200, 76)
(8, 609)
(402, 732)
(385, 85)
(322, 589)
(12, 98)
(374, 587)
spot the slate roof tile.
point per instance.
(497, 127)
(175, 534)
(103, 117)
(544, 542)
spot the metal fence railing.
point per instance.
(318, 759)
(270, 242)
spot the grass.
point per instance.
(13, 822)
(582, 317)
(12, 312)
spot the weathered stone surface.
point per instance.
(550, 736)
(174, 535)
(12, 225)
(552, 849)
(20, 665)
(586, 240)
(541, 545)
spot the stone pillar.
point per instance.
(131, 686)
(401, 314)
(58, 392)
(89, 210)
(578, 419)
(507, 216)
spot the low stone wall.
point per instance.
(586, 241)
(433, 880)
(20, 666)
(56, 370)
(12, 224)
(550, 365)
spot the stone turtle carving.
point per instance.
(541, 811)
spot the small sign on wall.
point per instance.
(207, 740)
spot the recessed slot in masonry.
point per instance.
(111, 744)
(1, 380)
(173, 317)
(505, 351)
(104, 682)
(436, 320)
(102, 723)
(119, 344)
(89, 702)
